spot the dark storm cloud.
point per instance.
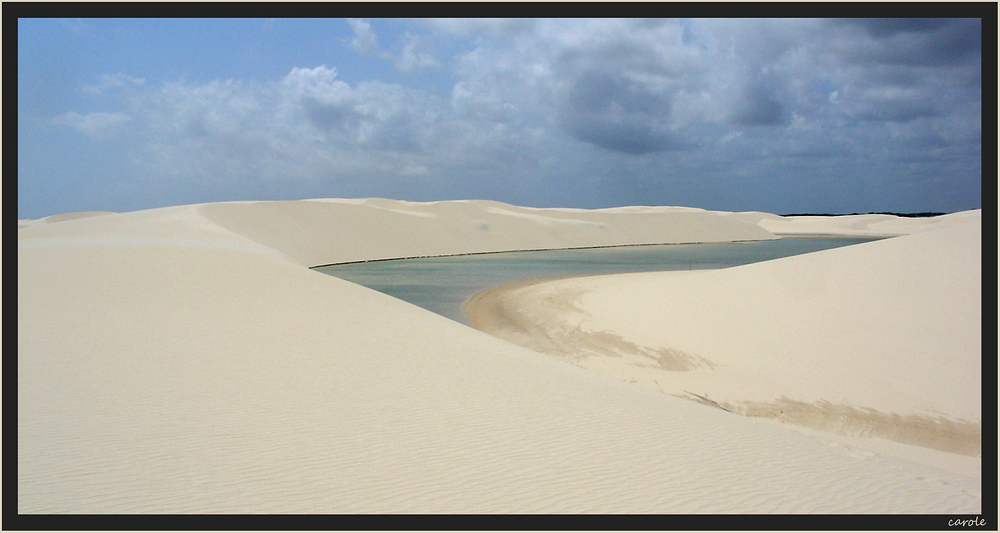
(601, 92)
(899, 111)
(900, 71)
(884, 27)
(608, 111)
(614, 85)
(918, 42)
(758, 106)
(619, 135)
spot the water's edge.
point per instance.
(528, 250)
(443, 284)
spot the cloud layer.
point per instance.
(730, 114)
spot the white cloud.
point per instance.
(94, 125)
(730, 136)
(109, 82)
(365, 41)
(415, 54)
(414, 170)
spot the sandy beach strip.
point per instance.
(186, 360)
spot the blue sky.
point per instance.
(783, 115)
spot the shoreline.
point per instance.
(874, 236)
(778, 236)
(465, 254)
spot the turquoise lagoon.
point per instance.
(443, 284)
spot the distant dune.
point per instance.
(322, 232)
(185, 360)
(61, 217)
(885, 225)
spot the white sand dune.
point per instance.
(313, 233)
(185, 360)
(881, 339)
(877, 225)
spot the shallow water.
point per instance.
(443, 284)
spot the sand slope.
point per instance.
(183, 360)
(879, 339)
(322, 232)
